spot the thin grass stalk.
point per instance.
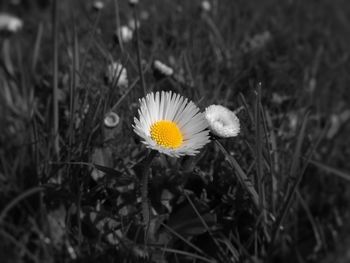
(55, 79)
(275, 158)
(259, 159)
(117, 25)
(269, 152)
(258, 148)
(183, 239)
(19, 244)
(138, 48)
(18, 199)
(89, 44)
(291, 193)
(331, 170)
(37, 47)
(184, 253)
(223, 256)
(319, 243)
(241, 175)
(143, 169)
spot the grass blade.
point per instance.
(55, 78)
(241, 175)
(331, 170)
(290, 195)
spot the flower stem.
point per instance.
(146, 214)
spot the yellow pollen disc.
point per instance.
(166, 134)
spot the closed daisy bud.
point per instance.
(171, 124)
(117, 75)
(206, 6)
(10, 23)
(162, 68)
(133, 2)
(98, 5)
(222, 121)
(125, 33)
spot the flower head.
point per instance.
(171, 124)
(222, 122)
(125, 33)
(10, 23)
(116, 74)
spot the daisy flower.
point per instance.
(171, 124)
(222, 122)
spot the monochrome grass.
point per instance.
(174, 131)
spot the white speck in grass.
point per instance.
(10, 23)
(222, 121)
(125, 33)
(111, 120)
(133, 2)
(116, 74)
(256, 42)
(98, 5)
(162, 68)
(206, 6)
(144, 15)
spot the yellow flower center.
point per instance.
(166, 134)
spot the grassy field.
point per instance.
(75, 190)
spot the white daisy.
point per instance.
(171, 124)
(10, 23)
(222, 122)
(117, 75)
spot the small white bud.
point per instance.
(222, 121)
(133, 2)
(98, 5)
(206, 6)
(125, 33)
(10, 23)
